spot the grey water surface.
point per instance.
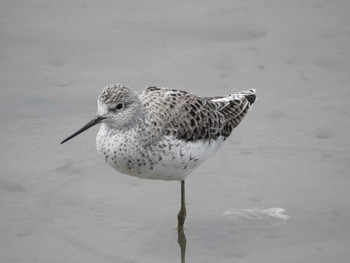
(62, 203)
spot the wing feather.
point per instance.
(189, 117)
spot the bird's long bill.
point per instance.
(93, 122)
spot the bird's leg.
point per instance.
(182, 214)
(181, 239)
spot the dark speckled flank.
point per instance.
(191, 118)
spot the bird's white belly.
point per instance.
(167, 159)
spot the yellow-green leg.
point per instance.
(181, 239)
(182, 214)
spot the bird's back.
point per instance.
(190, 118)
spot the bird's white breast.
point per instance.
(165, 159)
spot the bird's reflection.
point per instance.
(181, 239)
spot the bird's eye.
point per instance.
(119, 106)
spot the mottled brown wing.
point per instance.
(190, 118)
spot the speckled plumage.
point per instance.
(164, 133)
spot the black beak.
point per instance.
(95, 121)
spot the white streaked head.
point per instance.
(118, 106)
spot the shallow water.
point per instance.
(62, 203)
